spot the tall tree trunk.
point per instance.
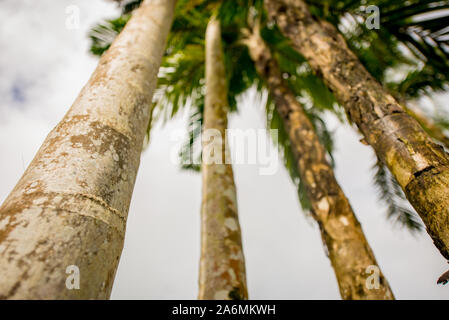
(420, 166)
(222, 265)
(69, 209)
(347, 247)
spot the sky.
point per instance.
(44, 63)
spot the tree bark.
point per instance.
(420, 166)
(432, 128)
(222, 265)
(342, 234)
(71, 204)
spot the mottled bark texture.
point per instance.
(432, 128)
(71, 204)
(342, 234)
(222, 265)
(420, 166)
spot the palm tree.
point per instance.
(347, 246)
(380, 55)
(69, 210)
(222, 266)
(342, 234)
(420, 166)
(184, 83)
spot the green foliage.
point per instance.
(103, 34)
(391, 194)
(296, 71)
(181, 80)
(413, 36)
(190, 153)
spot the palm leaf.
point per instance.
(391, 194)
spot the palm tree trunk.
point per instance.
(70, 206)
(222, 265)
(432, 128)
(420, 166)
(347, 247)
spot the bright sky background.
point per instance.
(43, 66)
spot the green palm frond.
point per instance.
(392, 195)
(181, 78)
(413, 35)
(103, 34)
(190, 153)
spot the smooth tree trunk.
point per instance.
(351, 256)
(420, 166)
(65, 219)
(222, 265)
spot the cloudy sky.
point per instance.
(43, 66)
